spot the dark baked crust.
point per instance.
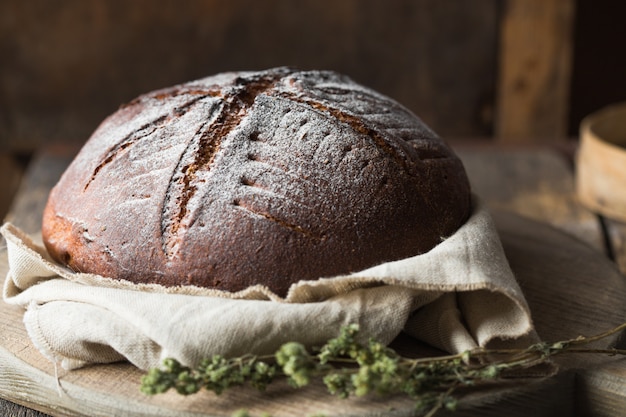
(255, 178)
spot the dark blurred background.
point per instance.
(506, 71)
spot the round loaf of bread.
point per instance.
(248, 178)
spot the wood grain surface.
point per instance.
(571, 286)
(10, 174)
(540, 256)
(67, 65)
(534, 182)
(535, 68)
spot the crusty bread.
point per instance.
(247, 178)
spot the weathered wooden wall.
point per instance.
(535, 65)
(514, 70)
(66, 64)
(507, 70)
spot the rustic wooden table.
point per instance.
(537, 183)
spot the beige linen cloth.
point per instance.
(460, 295)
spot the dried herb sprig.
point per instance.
(348, 367)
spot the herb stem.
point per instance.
(348, 367)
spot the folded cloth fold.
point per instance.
(460, 295)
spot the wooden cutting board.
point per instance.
(572, 290)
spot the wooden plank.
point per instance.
(66, 66)
(534, 70)
(616, 232)
(532, 182)
(10, 175)
(43, 173)
(98, 390)
(602, 391)
(561, 294)
(540, 185)
(8, 408)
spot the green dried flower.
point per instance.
(262, 375)
(343, 345)
(348, 367)
(339, 384)
(296, 363)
